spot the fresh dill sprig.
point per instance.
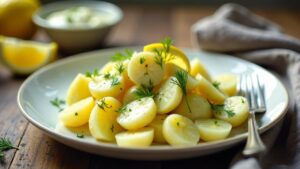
(120, 68)
(5, 144)
(122, 109)
(58, 103)
(219, 109)
(115, 81)
(107, 75)
(163, 55)
(142, 60)
(181, 81)
(93, 74)
(216, 84)
(143, 91)
(102, 104)
(122, 56)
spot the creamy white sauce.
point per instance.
(78, 17)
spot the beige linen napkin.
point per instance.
(234, 29)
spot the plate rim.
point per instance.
(165, 148)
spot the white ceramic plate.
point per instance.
(53, 80)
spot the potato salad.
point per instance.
(154, 96)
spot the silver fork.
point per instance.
(251, 88)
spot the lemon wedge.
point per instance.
(175, 55)
(24, 57)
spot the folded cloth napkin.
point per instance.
(234, 29)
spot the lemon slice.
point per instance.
(24, 57)
(175, 55)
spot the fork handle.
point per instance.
(254, 143)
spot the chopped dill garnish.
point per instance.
(163, 54)
(243, 101)
(93, 74)
(122, 56)
(143, 91)
(79, 135)
(219, 109)
(115, 81)
(182, 77)
(142, 60)
(216, 84)
(167, 43)
(216, 123)
(178, 124)
(106, 75)
(76, 114)
(120, 68)
(122, 109)
(58, 103)
(102, 104)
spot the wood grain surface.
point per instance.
(141, 25)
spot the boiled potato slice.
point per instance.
(180, 131)
(78, 90)
(198, 68)
(227, 83)
(108, 67)
(78, 113)
(129, 96)
(144, 70)
(103, 119)
(137, 114)
(139, 138)
(199, 107)
(213, 129)
(206, 89)
(157, 124)
(235, 110)
(168, 97)
(107, 85)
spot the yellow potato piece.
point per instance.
(139, 138)
(168, 97)
(137, 114)
(144, 70)
(228, 83)
(103, 119)
(102, 86)
(129, 96)
(79, 89)
(157, 124)
(213, 129)
(199, 107)
(78, 113)
(235, 111)
(206, 89)
(198, 68)
(180, 131)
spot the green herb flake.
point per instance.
(93, 74)
(216, 84)
(120, 68)
(219, 109)
(167, 43)
(79, 135)
(243, 101)
(76, 114)
(142, 60)
(58, 103)
(106, 76)
(216, 123)
(115, 81)
(122, 109)
(144, 91)
(118, 57)
(178, 124)
(102, 104)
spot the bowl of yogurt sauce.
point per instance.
(78, 25)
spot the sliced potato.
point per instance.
(102, 86)
(198, 68)
(198, 107)
(227, 83)
(206, 89)
(235, 110)
(78, 90)
(103, 119)
(139, 138)
(213, 129)
(144, 70)
(78, 113)
(168, 97)
(129, 96)
(180, 131)
(137, 114)
(157, 124)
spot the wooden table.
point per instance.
(140, 25)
